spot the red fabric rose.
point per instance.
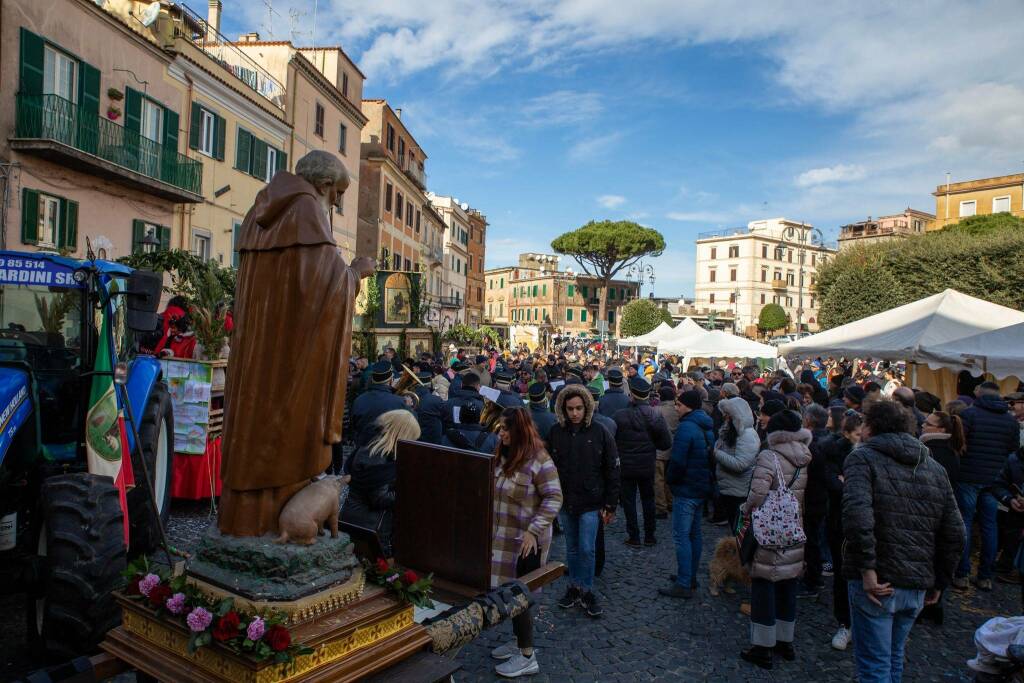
(278, 638)
(410, 577)
(159, 595)
(382, 565)
(226, 627)
(133, 586)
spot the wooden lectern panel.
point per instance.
(444, 513)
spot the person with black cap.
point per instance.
(430, 412)
(600, 419)
(378, 399)
(614, 398)
(774, 572)
(467, 433)
(853, 397)
(541, 415)
(641, 432)
(769, 409)
(468, 392)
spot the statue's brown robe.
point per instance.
(288, 367)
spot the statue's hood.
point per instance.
(279, 194)
(287, 212)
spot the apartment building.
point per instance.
(1002, 194)
(884, 228)
(92, 133)
(475, 286)
(391, 193)
(456, 257)
(740, 270)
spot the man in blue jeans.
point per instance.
(904, 536)
(588, 469)
(992, 434)
(689, 477)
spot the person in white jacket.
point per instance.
(735, 453)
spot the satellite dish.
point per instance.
(465, 206)
(100, 3)
(150, 14)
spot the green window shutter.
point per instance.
(220, 132)
(611, 292)
(585, 291)
(89, 107)
(29, 216)
(195, 126)
(282, 161)
(568, 315)
(502, 281)
(31, 71)
(165, 239)
(170, 131)
(572, 292)
(243, 151)
(259, 159)
(138, 232)
(583, 315)
(67, 231)
(544, 290)
(132, 110)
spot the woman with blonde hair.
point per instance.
(371, 492)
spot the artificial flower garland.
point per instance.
(407, 585)
(260, 636)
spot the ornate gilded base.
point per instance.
(349, 642)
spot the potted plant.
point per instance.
(113, 113)
(115, 94)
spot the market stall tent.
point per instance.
(999, 352)
(649, 339)
(685, 329)
(717, 344)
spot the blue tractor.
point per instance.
(78, 405)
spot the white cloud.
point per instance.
(611, 201)
(562, 108)
(592, 148)
(840, 173)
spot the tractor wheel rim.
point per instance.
(160, 475)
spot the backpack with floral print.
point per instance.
(776, 522)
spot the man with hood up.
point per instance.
(294, 299)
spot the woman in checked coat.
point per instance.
(527, 497)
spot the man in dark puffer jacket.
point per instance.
(641, 433)
(904, 535)
(992, 434)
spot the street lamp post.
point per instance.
(789, 237)
(637, 272)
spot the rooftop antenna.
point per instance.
(294, 16)
(268, 28)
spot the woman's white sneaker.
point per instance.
(506, 651)
(518, 665)
(841, 640)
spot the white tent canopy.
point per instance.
(900, 333)
(650, 339)
(1000, 352)
(686, 328)
(719, 344)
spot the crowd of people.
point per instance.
(834, 468)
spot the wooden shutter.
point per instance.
(89, 107)
(132, 110)
(243, 151)
(67, 232)
(195, 126)
(220, 131)
(171, 132)
(258, 168)
(165, 238)
(31, 70)
(29, 216)
(138, 232)
(282, 161)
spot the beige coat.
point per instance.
(792, 449)
(668, 411)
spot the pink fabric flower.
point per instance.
(199, 619)
(176, 603)
(256, 629)
(392, 578)
(148, 583)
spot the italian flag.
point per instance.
(106, 438)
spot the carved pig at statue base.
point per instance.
(303, 516)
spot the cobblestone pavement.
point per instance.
(643, 636)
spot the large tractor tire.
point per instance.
(156, 435)
(80, 544)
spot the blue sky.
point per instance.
(684, 116)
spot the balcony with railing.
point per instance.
(450, 301)
(73, 136)
(413, 169)
(779, 283)
(725, 232)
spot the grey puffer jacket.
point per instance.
(668, 411)
(793, 452)
(899, 514)
(736, 463)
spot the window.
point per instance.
(391, 137)
(732, 275)
(470, 266)
(152, 120)
(734, 251)
(207, 126)
(387, 197)
(401, 148)
(732, 297)
(271, 163)
(585, 291)
(764, 276)
(256, 157)
(790, 279)
(318, 122)
(544, 290)
(812, 302)
(49, 221)
(417, 220)
(344, 83)
(501, 283)
(764, 251)
(60, 74)
(777, 275)
(1001, 204)
(408, 264)
(790, 255)
(762, 298)
(583, 315)
(201, 244)
(479, 294)
(342, 137)
(399, 205)
(711, 298)
(396, 262)
(572, 290)
(147, 232)
(814, 259)
(611, 317)
(789, 301)
(714, 253)
(711, 276)
(568, 315)
(776, 299)
(408, 214)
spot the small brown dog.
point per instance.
(305, 513)
(725, 567)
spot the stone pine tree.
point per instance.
(605, 248)
(772, 318)
(642, 316)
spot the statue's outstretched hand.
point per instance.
(364, 266)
